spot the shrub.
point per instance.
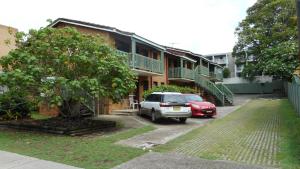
(169, 88)
(226, 73)
(13, 107)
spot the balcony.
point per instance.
(181, 73)
(221, 61)
(216, 76)
(143, 63)
(203, 70)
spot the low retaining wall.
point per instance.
(256, 88)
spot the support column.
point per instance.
(200, 66)
(133, 51)
(181, 67)
(162, 67)
(208, 65)
(193, 68)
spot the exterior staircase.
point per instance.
(227, 93)
(88, 105)
(220, 91)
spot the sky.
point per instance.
(201, 26)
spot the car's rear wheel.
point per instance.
(182, 119)
(153, 116)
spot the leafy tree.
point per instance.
(58, 66)
(269, 32)
(226, 72)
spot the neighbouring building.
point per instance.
(7, 39)
(236, 83)
(229, 61)
(154, 64)
(7, 43)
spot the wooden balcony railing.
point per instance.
(142, 62)
(179, 72)
(216, 76)
(202, 70)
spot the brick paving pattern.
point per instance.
(249, 137)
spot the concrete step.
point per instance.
(125, 112)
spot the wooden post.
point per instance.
(181, 67)
(208, 68)
(193, 68)
(133, 51)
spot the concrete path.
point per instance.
(170, 129)
(16, 161)
(178, 161)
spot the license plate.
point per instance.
(209, 111)
(176, 108)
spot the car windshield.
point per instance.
(193, 98)
(174, 98)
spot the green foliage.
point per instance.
(50, 61)
(226, 72)
(290, 136)
(269, 33)
(169, 88)
(14, 106)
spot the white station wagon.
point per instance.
(165, 105)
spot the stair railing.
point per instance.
(211, 87)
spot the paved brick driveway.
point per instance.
(246, 139)
(250, 135)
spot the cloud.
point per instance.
(202, 26)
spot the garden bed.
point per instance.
(58, 125)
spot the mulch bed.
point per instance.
(58, 125)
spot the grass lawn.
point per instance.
(97, 152)
(263, 132)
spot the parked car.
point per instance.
(165, 105)
(199, 107)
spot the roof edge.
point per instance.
(105, 28)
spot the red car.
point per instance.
(199, 107)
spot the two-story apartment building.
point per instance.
(154, 64)
(7, 43)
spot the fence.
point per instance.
(256, 88)
(293, 92)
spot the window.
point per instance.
(174, 98)
(190, 98)
(145, 85)
(162, 83)
(155, 55)
(149, 98)
(155, 84)
(154, 98)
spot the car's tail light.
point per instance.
(164, 105)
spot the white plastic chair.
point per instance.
(132, 103)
